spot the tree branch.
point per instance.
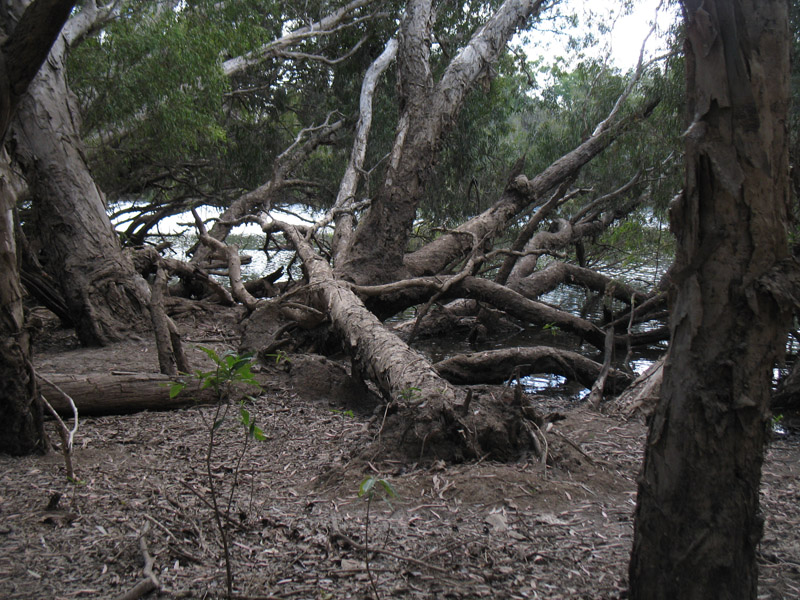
(324, 26)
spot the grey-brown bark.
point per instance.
(343, 231)
(229, 253)
(21, 429)
(345, 16)
(376, 251)
(115, 394)
(568, 233)
(521, 193)
(106, 297)
(27, 43)
(260, 198)
(428, 417)
(558, 273)
(499, 366)
(697, 519)
(415, 291)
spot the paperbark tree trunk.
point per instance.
(118, 394)
(106, 297)
(375, 253)
(428, 417)
(26, 45)
(697, 520)
(21, 429)
(520, 193)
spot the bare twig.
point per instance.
(351, 542)
(150, 581)
(67, 435)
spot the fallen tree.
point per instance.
(499, 366)
(359, 272)
(118, 393)
(426, 416)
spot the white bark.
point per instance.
(350, 179)
(325, 26)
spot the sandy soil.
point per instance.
(297, 528)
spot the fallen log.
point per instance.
(119, 393)
(425, 416)
(642, 395)
(557, 273)
(497, 366)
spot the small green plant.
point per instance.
(777, 425)
(345, 413)
(552, 328)
(367, 490)
(230, 372)
(409, 394)
(280, 357)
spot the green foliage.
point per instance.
(345, 413)
(552, 328)
(157, 63)
(368, 488)
(165, 123)
(409, 394)
(249, 424)
(166, 126)
(230, 371)
(280, 357)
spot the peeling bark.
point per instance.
(428, 417)
(229, 253)
(697, 523)
(260, 198)
(24, 48)
(117, 394)
(343, 232)
(376, 251)
(567, 234)
(107, 299)
(21, 430)
(499, 366)
(521, 193)
(558, 273)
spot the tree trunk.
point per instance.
(117, 394)
(519, 194)
(107, 299)
(499, 366)
(21, 429)
(375, 253)
(425, 416)
(561, 273)
(697, 521)
(24, 48)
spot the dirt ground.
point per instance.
(297, 527)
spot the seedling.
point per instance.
(368, 489)
(409, 394)
(230, 371)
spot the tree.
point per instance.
(106, 298)
(697, 520)
(27, 43)
(376, 251)
(442, 61)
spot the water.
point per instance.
(251, 240)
